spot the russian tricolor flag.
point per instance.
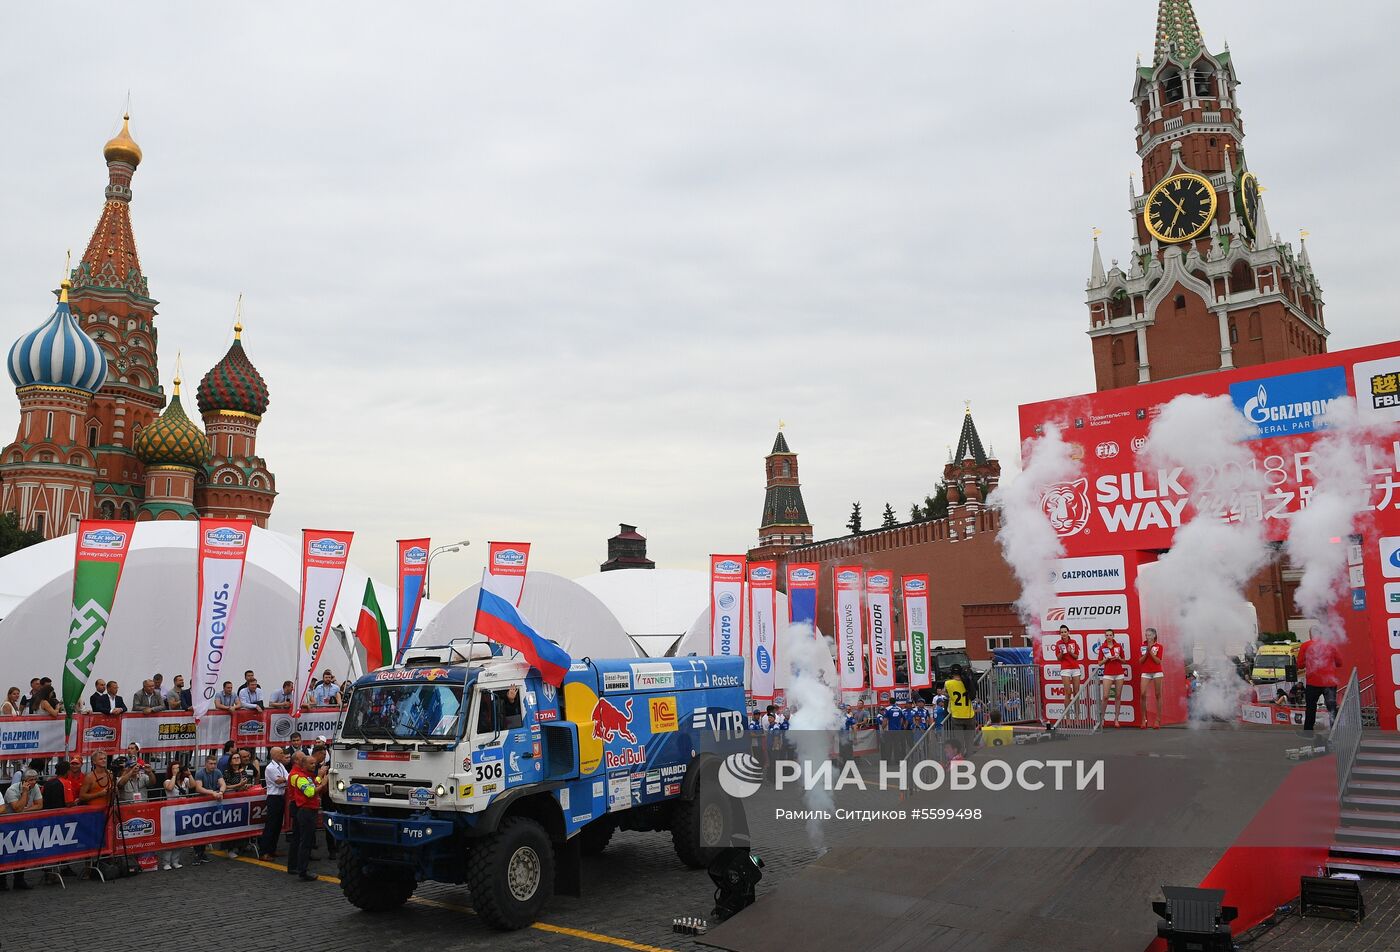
(498, 620)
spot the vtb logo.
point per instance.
(1066, 506)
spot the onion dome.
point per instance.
(173, 439)
(122, 147)
(233, 383)
(58, 353)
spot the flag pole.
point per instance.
(471, 648)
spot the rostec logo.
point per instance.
(728, 567)
(761, 573)
(803, 575)
(225, 537)
(103, 539)
(326, 548)
(1106, 450)
(1066, 506)
(1289, 404)
(415, 556)
(509, 557)
(847, 577)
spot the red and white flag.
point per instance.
(223, 551)
(505, 569)
(324, 556)
(763, 613)
(916, 630)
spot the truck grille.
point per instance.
(391, 789)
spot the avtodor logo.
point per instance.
(740, 775)
(1066, 506)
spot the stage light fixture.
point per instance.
(1195, 920)
(735, 872)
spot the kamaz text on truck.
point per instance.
(464, 766)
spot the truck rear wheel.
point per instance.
(594, 837)
(511, 874)
(702, 826)
(373, 889)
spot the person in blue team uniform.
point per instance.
(894, 717)
(940, 713)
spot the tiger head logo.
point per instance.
(1066, 506)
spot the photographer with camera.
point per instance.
(134, 775)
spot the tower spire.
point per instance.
(1097, 277)
(1178, 33)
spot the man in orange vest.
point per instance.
(305, 784)
(1322, 666)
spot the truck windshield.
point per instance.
(404, 711)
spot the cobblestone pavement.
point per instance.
(1381, 930)
(631, 893)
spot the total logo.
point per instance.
(728, 567)
(509, 557)
(225, 537)
(763, 658)
(103, 539)
(761, 573)
(415, 556)
(327, 548)
(803, 575)
(1106, 450)
(1066, 506)
(610, 722)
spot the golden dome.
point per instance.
(122, 147)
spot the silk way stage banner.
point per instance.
(223, 552)
(763, 612)
(916, 630)
(323, 559)
(850, 634)
(727, 605)
(98, 558)
(879, 587)
(505, 569)
(802, 580)
(413, 570)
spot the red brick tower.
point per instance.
(970, 475)
(1208, 285)
(784, 523)
(232, 398)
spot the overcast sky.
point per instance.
(526, 271)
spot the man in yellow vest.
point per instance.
(959, 688)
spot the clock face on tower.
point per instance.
(1180, 208)
(1249, 200)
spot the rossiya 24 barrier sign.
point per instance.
(1119, 505)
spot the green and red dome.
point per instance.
(233, 383)
(173, 439)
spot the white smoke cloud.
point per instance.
(1028, 541)
(1340, 493)
(1198, 587)
(815, 714)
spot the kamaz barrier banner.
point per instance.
(223, 551)
(727, 605)
(850, 636)
(879, 587)
(916, 630)
(51, 837)
(413, 571)
(98, 558)
(802, 579)
(763, 611)
(505, 569)
(323, 559)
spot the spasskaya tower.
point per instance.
(1207, 285)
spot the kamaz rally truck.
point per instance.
(462, 766)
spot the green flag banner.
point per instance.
(372, 632)
(916, 630)
(100, 553)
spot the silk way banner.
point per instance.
(763, 612)
(413, 569)
(727, 605)
(850, 638)
(916, 630)
(98, 557)
(505, 569)
(323, 559)
(879, 586)
(802, 579)
(223, 551)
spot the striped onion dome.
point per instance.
(173, 439)
(233, 383)
(58, 353)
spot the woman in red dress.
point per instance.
(1071, 672)
(1111, 656)
(1150, 667)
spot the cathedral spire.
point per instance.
(1178, 33)
(1097, 277)
(111, 261)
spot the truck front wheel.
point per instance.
(702, 826)
(373, 889)
(511, 874)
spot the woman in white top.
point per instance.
(11, 707)
(180, 783)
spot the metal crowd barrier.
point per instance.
(1011, 690)
(1081, 712)
(1345, 737)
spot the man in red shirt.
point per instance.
(73, 781)
(1321, 666)
(305, 784)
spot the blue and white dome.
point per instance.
(58, 354)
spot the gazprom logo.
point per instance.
(803, 575)
(330, 548)
(728, 567)
(1289, 404)
(761, 573)
(103, 539)
(225, 537)
(847, 577)
(726, 600)
(415, 556)
(510, 557)
(915, 585)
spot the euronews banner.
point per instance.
(99, 555)
(223, 551)
(763, 610)
(916, 630)
(323, 559)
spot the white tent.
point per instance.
(654, 606)
(153, 618)
(696, 641)
(556, 607)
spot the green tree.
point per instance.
(854, 522)
(933, 507)
(12, 537)
(890, 521)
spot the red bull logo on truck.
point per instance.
(610, 722)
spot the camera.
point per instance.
(119, 763)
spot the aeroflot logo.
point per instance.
(225, 537)
(103, 539)
(1066, 506)
(328, 548)
(1292, 403)
(510, 557)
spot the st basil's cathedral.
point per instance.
(96, 436)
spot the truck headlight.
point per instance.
(340, 786)
(441, 790)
